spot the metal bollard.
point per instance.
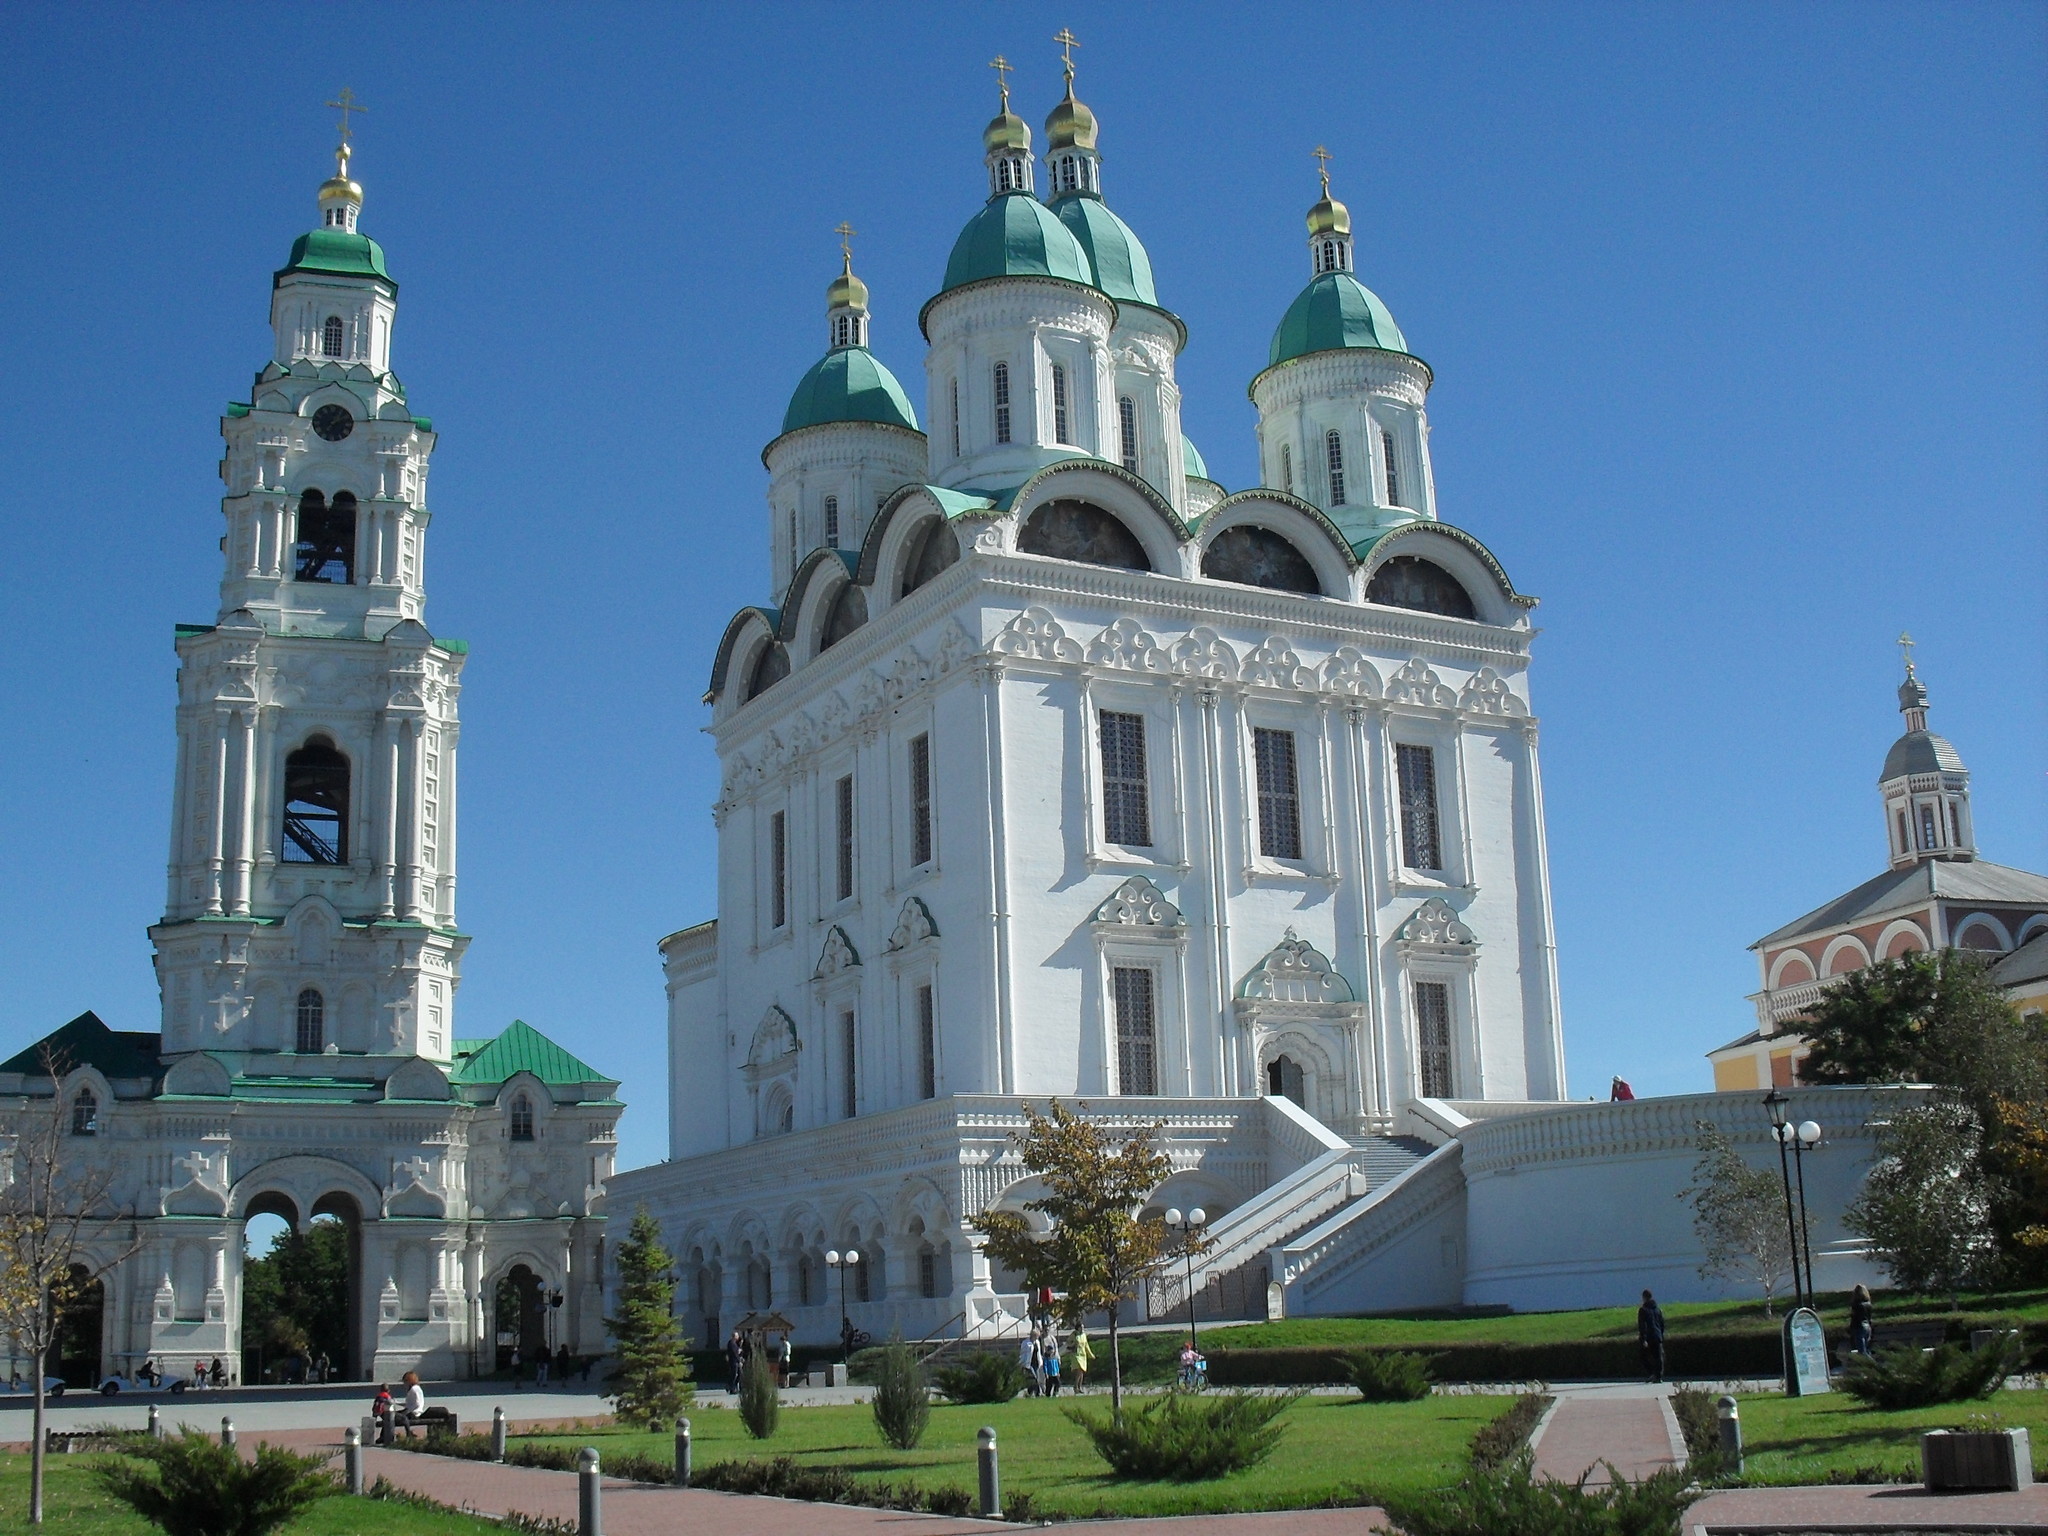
(1731, 1436)
(497, 1434)
(991, 1481)
(227, 1432)
(589, 1496)
(156, 1423)
(352, 1459)
(682, 1475)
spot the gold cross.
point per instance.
(347, 104)
(846, 232)
(1322, 158)
(1002, 67)
(1068, 43)
(1906, 648)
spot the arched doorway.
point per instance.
(520, 1303)
(301, 1291)
(81, 1330)
(1284, 1080)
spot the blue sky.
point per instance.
(1736, 313)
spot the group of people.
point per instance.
(1047, 1365)
(1650, 1329)
(404, 1414)
(560, 1363)
(740, 1348)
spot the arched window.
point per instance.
(1068, 180)
(848, 612)
(1955, 822)
(1328, 261)
(326, 551)
(832, 521)
(1333, 447)
(316, 805)
(1905, 837)
(85, 1113)
(1287, 468)
(1393, 471)
(932, 551)
(956, 418)
(1059, 404)
(770, 668)
(1127, 431)
(332, 335)
(522, 1117)
(1408, 581)
(1078, 530)
(1258, 557)
(1002, 387)
(312, 1021)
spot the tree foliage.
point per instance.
(1927, 1204)
(300, 1290)
(1738, 1215)
(760, 1403)
(191, 1485)
(650, 1380)
(902, 1404)
(1096, 1250)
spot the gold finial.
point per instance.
(1002, 67)
(1906, 644)
(1322, 159)
(846, 232)
(1068, 43)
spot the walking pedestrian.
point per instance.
(1650, 1336)
(1077, 1362)
(1052, 1363)
(1861, 1315)
(735, 1361)
(562, 1364)
(518, 1370)
(1027, 1357)
(540, 1368)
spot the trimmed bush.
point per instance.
(1188, 1438)
(983, 1378)
(1711, 1356)
(192, 1485)
(1920, 1378)
(1502, 1440)
(1699, 1420)
(1512, 1499)
(760, 1403)
(782, 1478)
(1397, 1376)
(902, 1404)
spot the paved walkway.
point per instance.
(1627, 1424)
(1742, 1511)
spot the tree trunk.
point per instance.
(1116, 1368)
(35, 1455)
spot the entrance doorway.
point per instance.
(1284, 1080)
(301, 1291)
(520, 1303)
(80, 1331)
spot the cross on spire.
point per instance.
(1906, 643)
(1068, 43)
(846, 232)
(1322, 159)
(346, 104)
(1002, 67)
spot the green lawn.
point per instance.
(73, 1505)
(1334, 1448)
(1804, 1439)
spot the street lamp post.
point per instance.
(1802, 1138)
(1187, 1229)
(1774, 1102)
(842, 1262)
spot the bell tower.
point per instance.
(310, 913)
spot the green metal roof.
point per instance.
(848, 384)
(1191, 460)
(332, 250)
(1333, 312)
(521, 1048)
(1122, 269)
(451, 645)
(1016, 235)
(87, 1042)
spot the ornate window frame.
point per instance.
(772, 1062)
(913, 962)
(1136, 926)
(1125, 646)
(1434, 944)
(1295, 997)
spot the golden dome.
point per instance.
(1071, 125)
(1006, 130)
(338, 185)
(1329, 217)
(846, 291)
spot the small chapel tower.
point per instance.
(1925, 786)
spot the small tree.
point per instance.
(1097, 1251)
(55, 1219)
(1738, 1214)
(650, 1381)
(760, 1402)
(902, 1404)
(1927, 1204)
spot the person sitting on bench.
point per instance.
(415, 1406)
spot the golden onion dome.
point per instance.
(1071, 125)
(1329, 217)
(1006, 130)
(338, 185)
(846, 291)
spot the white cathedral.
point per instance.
(1051, 769)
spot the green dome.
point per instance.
(1122, 269)
(1015, 235)
(1333, 312)
(849, 384)
(1191, 463)
(332, 250)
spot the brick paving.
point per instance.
(1629, 1427)
(1911, 1508)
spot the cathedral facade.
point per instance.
(1051, 768)
(309, 1062)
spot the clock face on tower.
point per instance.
(333, 422)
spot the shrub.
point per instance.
(192, 1485)
(983, 1378)
(902, 1404)
(1187, 1438)
(1699, 1420)
(1914, 1378)
(1511, 1498)
(1503, 1439)
(1395, 1376)
(781, 1477)
(760, 1402)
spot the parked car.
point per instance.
(53, 1386)
(114, 1385)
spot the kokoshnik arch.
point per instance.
(309, 1062)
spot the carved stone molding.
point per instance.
(1274, 665)
(1036, 635)
(1417, 684)
(1127, 646)
(1294, 971)
(1488, 694)
(914, 926)
(837, 955)
(1203, 653)
(1435, 927)
(1138, 903)
(1347, 672)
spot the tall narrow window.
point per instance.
(1955, 823)
(832, 521)
(778, 869)
(927, 1044)
(1930, 829)
(1393, 470)
(849, 1047)
(522, 1117)
(1905, 837)
(1137, 1034)
(1126, 795)
(1279, 794)
(1287, 468)
(956, 418)
(1421, 847)
(85, 1113)
(920, 800)
(1127, 431)
(1002, 387)
(315, 805)
(1333, 447)
(312, 1023)
(842, 818)
(1433, 1038)
(326, 551)
(1059, 403)
(927, 1274)
(332, 336)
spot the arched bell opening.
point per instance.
(1082, 531)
